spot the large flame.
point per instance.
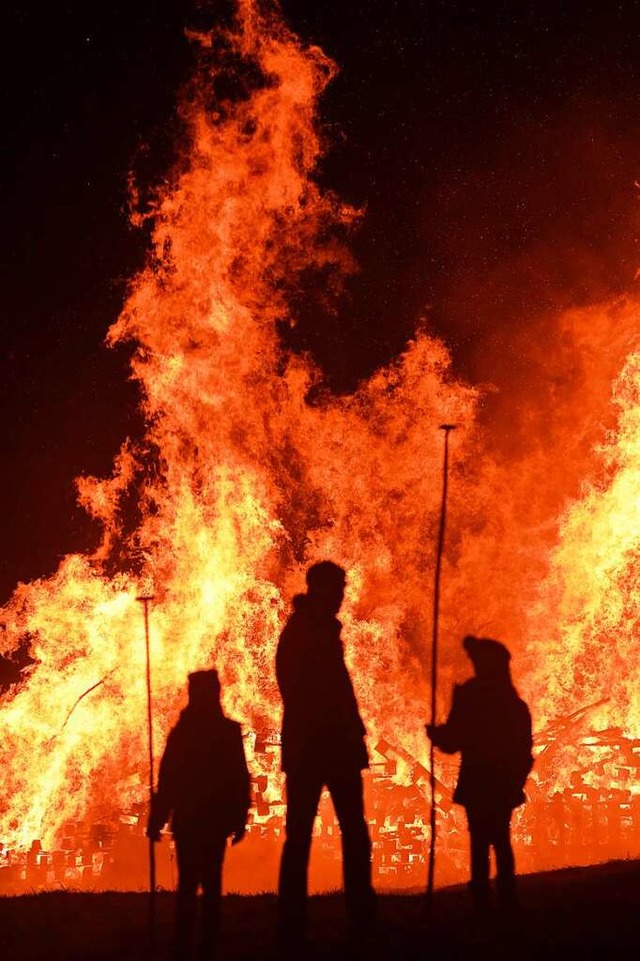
(591, 597)
(241, 482)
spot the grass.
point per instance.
(591, 912)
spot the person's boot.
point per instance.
(481, 904)
(508, 904)
(291, 939)
(207, 949)
(181, 951)
(480, 895)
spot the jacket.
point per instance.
(203, 784)
(321, 727)
(491, 727)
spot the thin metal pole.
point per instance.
(447, 428)
(152, 850)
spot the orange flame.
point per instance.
(242, 482)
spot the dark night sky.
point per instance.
(496, 149)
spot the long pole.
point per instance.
(447, 428)
(146, 600)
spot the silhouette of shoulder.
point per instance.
(484, 713)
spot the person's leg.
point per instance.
(479, 839)
(360, 897)
(505, 861)
(186, 897)
(303, 796)
(213, 857)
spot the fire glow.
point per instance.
(241, 483)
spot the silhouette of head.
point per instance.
(325, 585)
(489, 658)
(204, 688)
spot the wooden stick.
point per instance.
(447, 428)
(146, 600)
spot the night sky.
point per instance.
(496, 149)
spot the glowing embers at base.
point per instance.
(577, 826)
(241, 482)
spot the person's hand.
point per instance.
(238, 835)
(152, 832)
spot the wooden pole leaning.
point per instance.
(145, 600)
(447, 428)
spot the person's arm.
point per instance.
(297, 689)
(162, 800)
(243, 779)
(525, 746)
(287, 665)
(354, 723)
(449, 736)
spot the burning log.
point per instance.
(552, 830)
(82, 696)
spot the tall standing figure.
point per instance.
(322, 745)
(491, 727)
(204, 789)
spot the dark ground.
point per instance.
(578, 912)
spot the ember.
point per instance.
(242, 482)
(586, 821)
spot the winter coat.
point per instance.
(203, 784)
(321, 728)
(491, 727)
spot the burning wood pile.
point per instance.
(585, 822)
(248, 473)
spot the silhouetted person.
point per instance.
(491, 727)
(322, 745)
(204, 789)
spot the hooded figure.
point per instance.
(491, 727)
(322, 746)
(321, 724)
(204, 791)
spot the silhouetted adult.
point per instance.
(322, 745)
(491, 727)
(204, 790)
